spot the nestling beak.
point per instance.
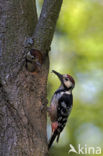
(60, 76)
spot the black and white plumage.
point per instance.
(61, 105)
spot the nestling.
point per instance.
(34, 60)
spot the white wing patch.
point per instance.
(63, 104)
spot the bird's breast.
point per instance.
(53, 107)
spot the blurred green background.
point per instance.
(77, 49)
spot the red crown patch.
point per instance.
(71, 79)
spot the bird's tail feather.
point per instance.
(52, 139)
(58, 138)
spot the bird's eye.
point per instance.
(32, 57)
(66, 79)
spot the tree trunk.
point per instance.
(22, 93)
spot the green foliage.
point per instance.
(82, 22)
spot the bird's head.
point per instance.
(66, 80)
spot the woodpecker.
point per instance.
(61, 105)
(33, 60)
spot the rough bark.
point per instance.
(22, 94)
(46, 25)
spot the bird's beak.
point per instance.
(60, 76)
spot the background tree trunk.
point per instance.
(22, 94)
